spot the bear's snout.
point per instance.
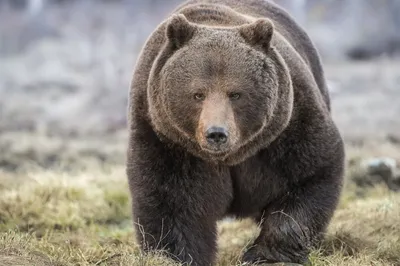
(217, 132)
(216, 136)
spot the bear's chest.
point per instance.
(254, 185)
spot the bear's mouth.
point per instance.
(214, 151)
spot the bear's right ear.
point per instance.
(179, 30)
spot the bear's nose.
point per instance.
(216, 135)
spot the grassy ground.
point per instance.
(82, 217)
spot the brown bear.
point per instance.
(229, 114)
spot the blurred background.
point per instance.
(65, 68)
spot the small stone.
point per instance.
(380, 170)
(380, 163)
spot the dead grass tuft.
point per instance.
(59, 201)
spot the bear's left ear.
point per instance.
(179, 30)
(258, 33)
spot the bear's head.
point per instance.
(222, 93)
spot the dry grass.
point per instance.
(82, 217)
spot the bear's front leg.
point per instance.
(184, 235)
(177, 200)
(294, 223)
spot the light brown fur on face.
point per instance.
(216, 111)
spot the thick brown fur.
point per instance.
(248, 68)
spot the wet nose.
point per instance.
(216, 135)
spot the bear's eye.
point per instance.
(234, 95)
(199, 96)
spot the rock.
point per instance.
(380, 170)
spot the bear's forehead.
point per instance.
(213, 70)
(217, 57)
(219, 83)
(217, 36)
